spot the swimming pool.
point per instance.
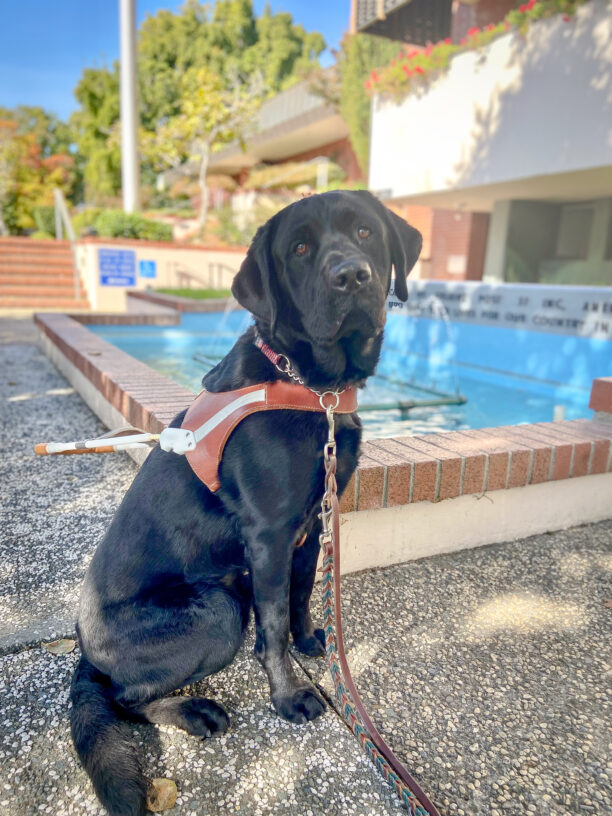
(508, 376)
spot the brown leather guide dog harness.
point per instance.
(211, 418)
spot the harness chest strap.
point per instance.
(212, 417)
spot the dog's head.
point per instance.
(319, 271)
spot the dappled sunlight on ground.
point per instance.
(524, 612)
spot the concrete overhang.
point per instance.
(579, 185)
(308, 131)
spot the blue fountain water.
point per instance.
(509, 376)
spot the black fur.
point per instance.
(168, 594)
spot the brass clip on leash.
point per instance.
(351, 706)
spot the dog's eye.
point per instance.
(364, 233)
(301, 248)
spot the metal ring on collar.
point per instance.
(333, 406)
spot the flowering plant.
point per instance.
(406, 71)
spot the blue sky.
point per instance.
(45, 44)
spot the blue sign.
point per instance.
(147, 269)
(117, 267)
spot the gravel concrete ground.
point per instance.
(486, 669)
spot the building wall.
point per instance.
(174, 266)
(520, 108)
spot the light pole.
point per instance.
(130, 169)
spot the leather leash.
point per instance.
(352, 708)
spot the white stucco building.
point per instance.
(522, 130)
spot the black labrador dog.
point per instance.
(168, 594)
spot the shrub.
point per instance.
(44, 218)
(118, 224)
(40, 235)
(86, 219)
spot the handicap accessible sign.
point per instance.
(117, 267)
(147, 269)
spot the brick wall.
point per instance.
(458, 244)
(478, 15)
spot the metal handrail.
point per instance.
(63, 221)
(185, 273)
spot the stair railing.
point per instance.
(63, 221)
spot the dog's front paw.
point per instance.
(311, 645)
(302, 705)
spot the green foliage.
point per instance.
(29, 172)
(40, 235)
(86, 219)
(197, 294)
(240, 232)
(51, 134)
(94, 126)
(118, 224)
(44, 218)
(227, 40)
(359, 55)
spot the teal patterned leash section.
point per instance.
(350, 713)
(356, 716)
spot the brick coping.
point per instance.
(391, 472)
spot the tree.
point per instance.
(29, 170)
(98, 94)
(9, 158)
(227, 40)
(212, 112)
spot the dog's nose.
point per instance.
(348, 276)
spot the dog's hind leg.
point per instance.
(196, 715)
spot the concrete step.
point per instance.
(53, 259)
(40, 277)
(36, 302)
(55, 290)
(18, 244)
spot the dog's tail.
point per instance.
(103, 743)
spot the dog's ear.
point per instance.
(406, 245)
(252, 286)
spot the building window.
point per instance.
(575, 231)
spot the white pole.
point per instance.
(130, 169)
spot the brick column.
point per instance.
(601, 399)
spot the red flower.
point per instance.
(419, 70)
(368, 84)
(566, 18)
(406, 70)
(523, 8)
(447, 41)
(374, 76)
(491, 26)
(472, 32)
